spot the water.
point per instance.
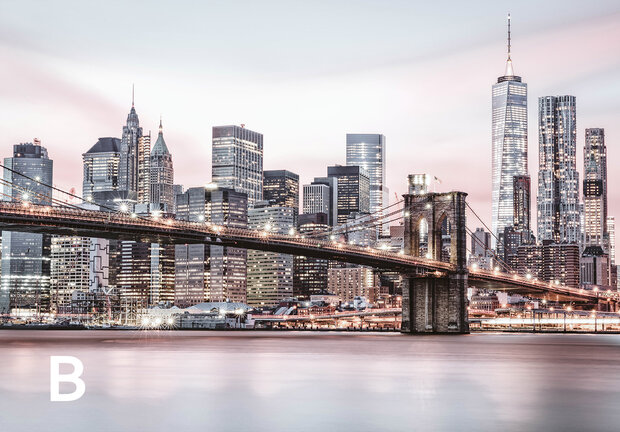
(304, 381)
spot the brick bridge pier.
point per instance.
(436, 302)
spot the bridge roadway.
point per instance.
(26, 217)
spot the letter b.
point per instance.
(74, 377)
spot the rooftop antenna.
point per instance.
(509, 36)
(132, 93)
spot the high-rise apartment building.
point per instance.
(237, 161)
(281, 188)
(351, 282)
(509, 143)
(211, 273)
(353, 190)
(550, 262)
(595, 189)
(162, 174)
(368, 152)
(70, 270)
(558, 179)
(270, 275)
(25, 280)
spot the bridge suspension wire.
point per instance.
(41, 196)
(485, 225)
(364, 222)
(54, 188)
(495, 256)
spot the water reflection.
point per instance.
(313, 381)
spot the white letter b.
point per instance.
(74, 377)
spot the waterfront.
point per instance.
(254, 381)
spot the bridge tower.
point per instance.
(436, 302)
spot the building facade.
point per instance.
(310, 274)
(368, 152)
(353, 191)
(321, 196)
(237, 161)
(348, 283)
(509, 143)
(128, 158)
(211, 273)
(101, 172)
(558, 179)
(270, 275)
(162, 174)
(25, 279)
(595, 189)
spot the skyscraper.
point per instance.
(237, 161)
(162, 174)
(321, 196)
(101, 172)
(509, 136)
(368, 151)
(595, 189)
(144, 169)
(281, 188)
(25, 281)
(128, 165)
(611, 230)
(558, 179)
(270, 275)
(70, 270)
(353, 190)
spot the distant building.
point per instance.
(419, 184)
(211, 273)
(128, 171)
(144, 169)
(558, 179)
(162, 175)
(281, 188)
(509, 138)
(481, 255)
(321, 196)
(310, 274)
(368, 152)
(550, 262)
(237, 161)
(25, 280)
(70, 271)
(348, 283)
(595, 268)
(269, 275)
(101, 172)
(353, 190)
(595, 189)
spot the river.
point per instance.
(313, 381)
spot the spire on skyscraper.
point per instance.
(160, 147)
(133, 88)
(509, 70)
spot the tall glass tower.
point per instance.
(558, 180)
(368, 151)
(509, 143)
(237, 161)
(25, 282)
(595, 189)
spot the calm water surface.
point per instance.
(281, 381)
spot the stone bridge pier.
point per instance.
(436, 302)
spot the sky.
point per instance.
(305, 74)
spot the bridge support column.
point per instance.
(433, 304)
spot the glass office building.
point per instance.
(509, 143)
(368, 151)
(281, 188)
(353, 191)
(25, 281)
(237, 161)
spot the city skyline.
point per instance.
(411, 131)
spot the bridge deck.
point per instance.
(89, 223)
